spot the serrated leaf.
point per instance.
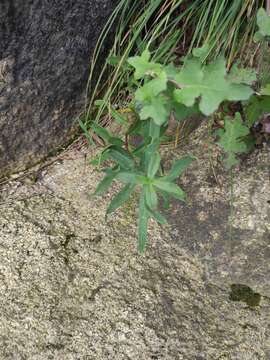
(230, 139)
(201, 52)
(157, 110)
(182, 112)
(153, 165)
(263, 21)
(143, 223)
(258, 37)
(170, 188)
(241, 75)
(121, 198)
(179, 167)
(143, 66)
(152, 105)
(210, 84)
(151, 198)
(256, 107)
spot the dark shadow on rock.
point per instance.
(45, 52)
(229, 254)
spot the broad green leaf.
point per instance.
(263, 21)
(121, 198)
(201, 52)
(230, 139)
(256, 107)
(258, 37)
(210, 84)
(157, 110)
(241, 75)
(179, 167)
(104, 185)
(152, 105)
(143, 66)
(143, 223)
(153, 165)
(151, 198)
(122, 157)
(265, 90)
(182, 112)
(170, 188)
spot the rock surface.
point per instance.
(73, 287)
(45, 52)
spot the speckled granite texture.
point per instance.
(72, 286)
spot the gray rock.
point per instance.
(45, 52)
(73, 286)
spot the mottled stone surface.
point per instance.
(45, 53)
(72, 286)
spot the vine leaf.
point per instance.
(263, 21)
(143, 66)
(231, 139)
(152, 105)
(210, 83)
(256, 107)
(241, 75)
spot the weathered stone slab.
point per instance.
(73, 287)
(45, 52)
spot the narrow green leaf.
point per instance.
(86, 133)
(104, 185)
(166, 199)
(157, 216)
(121, 198)
(151, 198)
(171, 188)
(128, 177)
(101, 131)
(179, 167)
(143, 223)
(153, 165)
(122, 157)
(119, 118)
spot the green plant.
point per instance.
(163, 90)
(170, 29)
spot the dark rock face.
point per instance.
(45, 52)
